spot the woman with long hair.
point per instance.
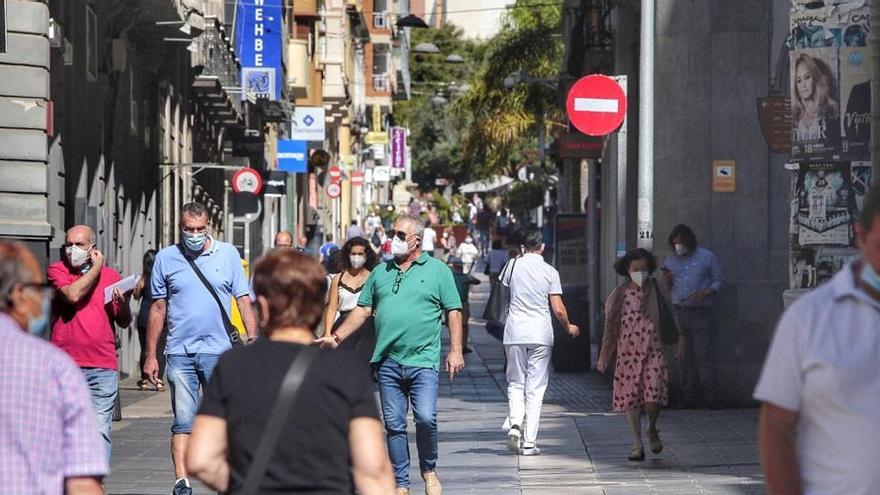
(814, 108)
(142, 293)
(357, 258)
(331, 440)
(632, 336)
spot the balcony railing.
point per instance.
(220, 74)
(381, 83)
(381, 20)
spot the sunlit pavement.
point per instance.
(584, 445)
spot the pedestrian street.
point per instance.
(584, 446)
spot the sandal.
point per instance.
(143, 384)
(656, 444)
(637, 454)
(160, 386)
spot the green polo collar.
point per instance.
(421, 260)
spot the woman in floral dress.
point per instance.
(632, 336)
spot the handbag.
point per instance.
(498, 305)
(668, 326)
(277, 420)
(231, 331)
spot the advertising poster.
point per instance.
(861, 182)
(258, 42)
(830, 82)
(571, 248)
(829, 260)
(825, 208)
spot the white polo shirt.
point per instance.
(824, 362)
(531, 282)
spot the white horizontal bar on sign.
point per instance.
(596, 105)
(296, 155)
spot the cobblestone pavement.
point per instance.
(584, 444)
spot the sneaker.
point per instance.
(513, 438)
(532, 450)
(182, 487)
(402, 490)
(432, 483)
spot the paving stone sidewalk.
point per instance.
(584, 445)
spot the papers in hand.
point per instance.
(124, 285)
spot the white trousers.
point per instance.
(528, 369)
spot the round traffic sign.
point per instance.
(596, 105)
(247, 180)
(335, 174)
(357, 178)
(334, 190)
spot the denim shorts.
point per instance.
(185, 373)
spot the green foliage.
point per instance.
(524, 196)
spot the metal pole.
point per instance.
(646, 129)
(621, 179)
(592, 249)
(875, 90)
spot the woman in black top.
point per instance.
(332, 442)
(357, 259)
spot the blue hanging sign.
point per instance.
(258, 37)
(293, 156)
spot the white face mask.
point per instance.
(399, 248)
(357, 261)
(77, 256)
(639, 277)
(468, 240)
(681, 249)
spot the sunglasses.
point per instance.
(396, 287)
(399, 234)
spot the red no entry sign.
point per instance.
(335, 174)
(596, 105)
(357, 178)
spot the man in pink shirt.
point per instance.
(82, 325)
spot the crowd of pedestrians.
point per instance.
(295, 409)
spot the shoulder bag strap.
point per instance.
(293, 379)
(510, 274)
(207, 284)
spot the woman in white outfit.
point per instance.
(535, 291)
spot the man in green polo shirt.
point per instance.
(407, 297)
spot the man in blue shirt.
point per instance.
(196, 330)
(327, 248)
(695, 276)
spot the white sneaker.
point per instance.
(514, 435)
(533, 450)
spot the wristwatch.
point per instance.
(337, 338)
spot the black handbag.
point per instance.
(668, 326)
(498, 305)
(231, 331)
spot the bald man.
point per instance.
(82, 325)
(283, 240)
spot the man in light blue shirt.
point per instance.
(196, 328)
(695, 276)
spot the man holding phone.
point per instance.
(695, 276)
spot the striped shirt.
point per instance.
(48, 429)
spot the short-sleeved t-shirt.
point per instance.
(429, 239)
(531, 281)
(823, 363)
(84, 330)
(408, 306)
(313, 454)
(195, 324)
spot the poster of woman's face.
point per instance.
(815, 103)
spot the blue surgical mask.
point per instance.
(40, 325)
(870, 277)
(195, 242)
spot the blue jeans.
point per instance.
(104, 386)
(185, 372)
(399, 386)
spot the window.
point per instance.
(91, 43)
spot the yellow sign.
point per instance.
(376, 138)
(377, 118)
(724, 176)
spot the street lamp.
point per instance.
(411, 21)
(454, 59)
(426, 48)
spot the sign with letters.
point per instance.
(258, 38)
